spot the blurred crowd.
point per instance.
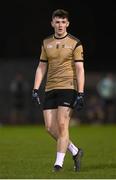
(106, 89)
(100, 102)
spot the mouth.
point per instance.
(59, 29)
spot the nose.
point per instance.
(60, 24)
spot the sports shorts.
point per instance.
(59, 97)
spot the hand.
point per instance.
(79, 102)
(35, 96)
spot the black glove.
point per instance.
(35, 96)
(79, 102)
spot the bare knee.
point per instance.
(62, 129)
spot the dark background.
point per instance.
(23, 25)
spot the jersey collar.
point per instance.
(61, 37)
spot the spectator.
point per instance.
(106, 91)
(18, 89)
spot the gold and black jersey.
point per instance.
(61, 55)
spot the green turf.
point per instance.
(29, 152)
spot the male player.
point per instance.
(62, 58)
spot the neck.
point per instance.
(60, 35)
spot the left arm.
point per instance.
(79, 66)
(80, 76)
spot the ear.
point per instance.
(52, 24)
(67, 24)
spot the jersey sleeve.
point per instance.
(78, 53)
(43, 56)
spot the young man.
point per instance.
(62, 56)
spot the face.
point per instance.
(60, 26)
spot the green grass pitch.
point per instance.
(28, 152)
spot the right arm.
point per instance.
(39, 75)
(41, 69)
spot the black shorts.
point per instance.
(59, 97)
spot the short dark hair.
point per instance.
(60, 13)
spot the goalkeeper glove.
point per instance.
(79, 102)
(35, 96)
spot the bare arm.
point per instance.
(40, 72)
(80, 76)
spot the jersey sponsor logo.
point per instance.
(57, 44)
(66, 46)
(49, 46)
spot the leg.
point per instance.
(51, 124)
(63, 118)
(50, 118)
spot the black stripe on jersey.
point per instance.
(78, 60)
(44, 61)
(61, 37)
(73, 37)
(77, 44)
